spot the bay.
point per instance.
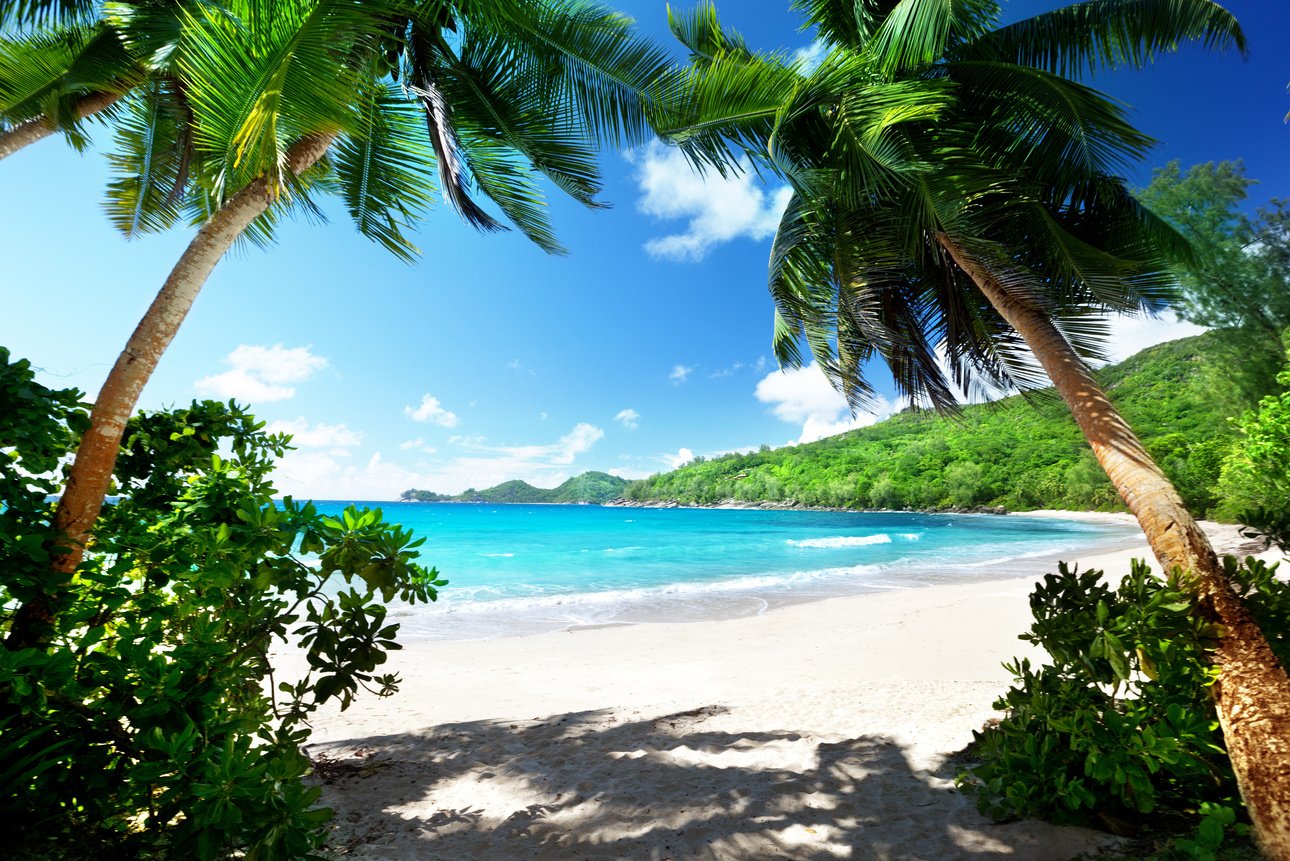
(524, 569)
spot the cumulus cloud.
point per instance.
(679, 374)
(432, 412)
(810, 57)
(718, 209)
(1131, 334)
(326, 474)
(682, 456)
(261, 374)
(804, 396)
(337, 438)
(628, 418)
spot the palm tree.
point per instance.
(275, 102)
(63, 63)
(956, 211)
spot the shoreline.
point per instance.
(755, 594)
(819, 730)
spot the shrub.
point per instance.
(1121, 723)
(151, 720)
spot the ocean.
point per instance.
(523, 569)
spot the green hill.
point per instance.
(595, 487)
(1016, 453)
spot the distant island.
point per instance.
(590, 487)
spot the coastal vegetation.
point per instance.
(152, 724)
(1117, 728)
(590, 487)
(957, 213)
(1018, 453)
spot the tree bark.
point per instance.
(42, 127)
(90, 475)
(1252, 694)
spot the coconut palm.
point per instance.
(277, 102)
(64, 63)
(957, 210)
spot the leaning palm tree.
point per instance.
(64, 63)
(377, 99)
(957, 210)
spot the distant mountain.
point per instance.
(594, 487)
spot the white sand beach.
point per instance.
(816, 731)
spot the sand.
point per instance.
(816, 731)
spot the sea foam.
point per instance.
(841, 541)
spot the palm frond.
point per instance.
(47, 73)
(426, 51)
(591, 62)
(506, 178)
(1054, 130)
(489, 94)
(1085, 37)
(262, 79)
(384, 169)
(149, 159)
(700, 30)
(45, 14)
(726, 109)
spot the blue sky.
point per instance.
(487, 359)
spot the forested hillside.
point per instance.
(1017, 453)
(588, 487)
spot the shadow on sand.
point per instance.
(590, 785)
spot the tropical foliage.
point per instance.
(1239, 276)
(1118, 725)
(927, 127)
(153, 721)
(1016, 453)
(1255, 482)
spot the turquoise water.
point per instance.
(521, 569)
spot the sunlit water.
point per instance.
(522, 569)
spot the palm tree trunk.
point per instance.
(90, 475)
(42, 127)
(1252, 694)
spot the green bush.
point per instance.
(150, 720)
(1121, 723)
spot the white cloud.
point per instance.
(628, 418)
(804, 396)
(630, 473)
(679, 374)
(262, 374)
(336, 438)
(322, 474)
(412, 443)
(722, 373)
(1131, 334)
(810, 57)
(520, 368)
(682, 456)
(430, 410)
(719, 209)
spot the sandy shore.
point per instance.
(817, 731)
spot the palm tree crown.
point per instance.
(926, 119)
